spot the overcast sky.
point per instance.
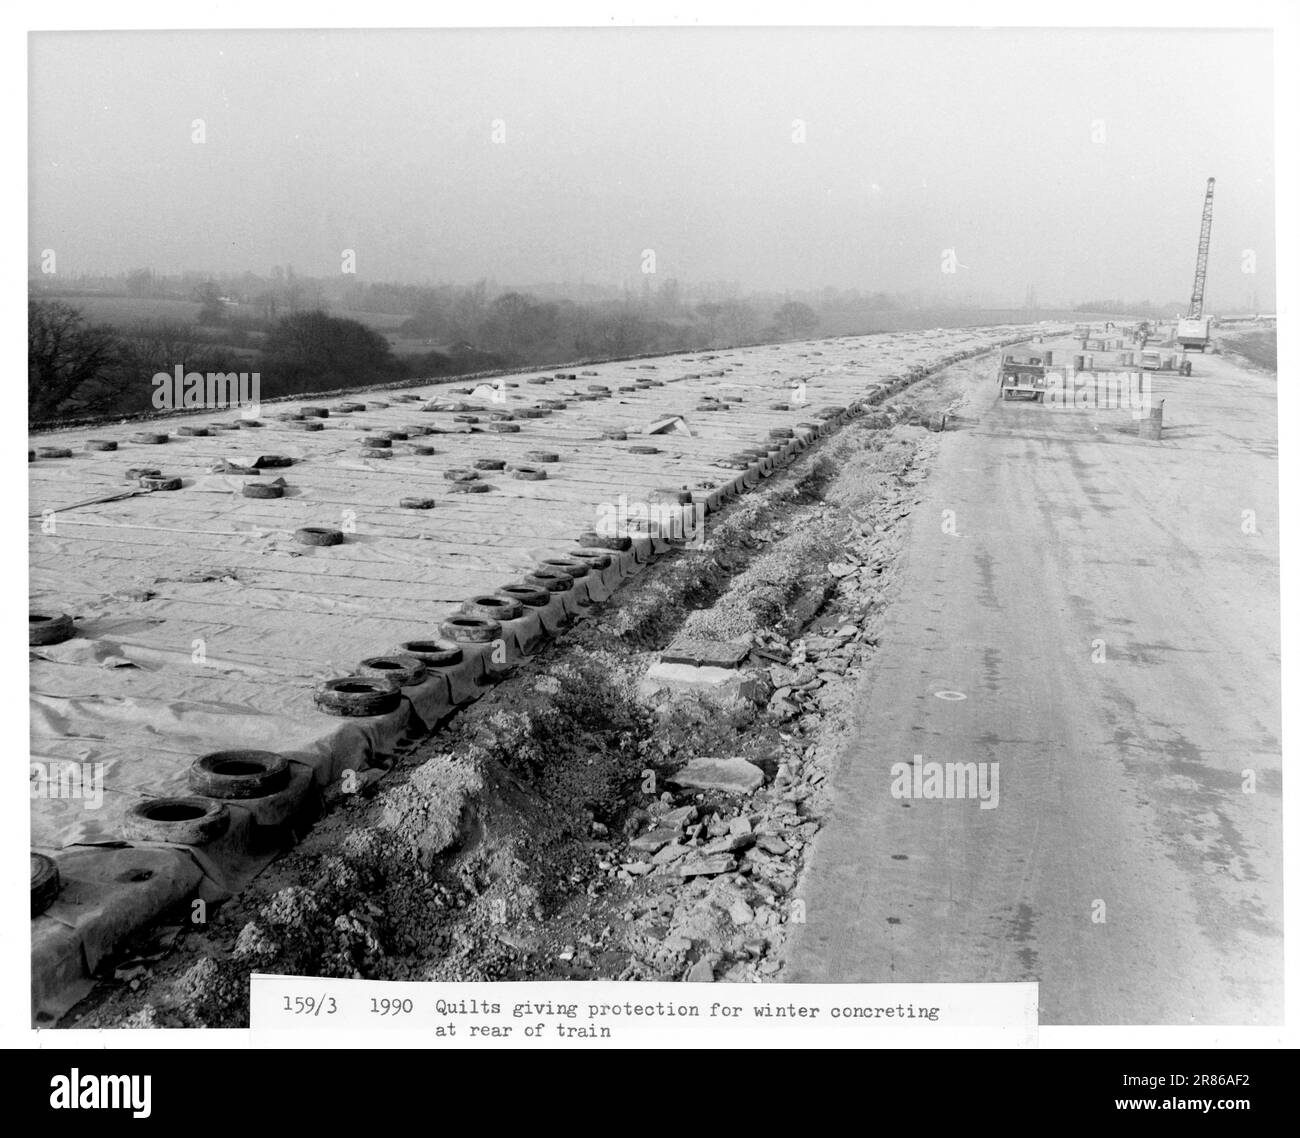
(1073, 161)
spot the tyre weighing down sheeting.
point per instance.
(204, 622)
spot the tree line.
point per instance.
(79, 368)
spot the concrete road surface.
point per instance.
(1098, 615)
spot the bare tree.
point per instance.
(139, 282)
(738, 321)
(160, 345)
(65, 358)
(212, 309)
(796, 319)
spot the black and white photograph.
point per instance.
(528, 517)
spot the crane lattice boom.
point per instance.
(1202, 255)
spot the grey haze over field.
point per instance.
(1072, 162)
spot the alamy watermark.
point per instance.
(919, 779)
(84, 781)
(1099, 391)
(180, 390)
(75, 1091)
(669, 520)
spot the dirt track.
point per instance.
(1121, 782)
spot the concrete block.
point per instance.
(722, 683)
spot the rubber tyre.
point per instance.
(263, 490)
(528, 595)
(358, 696)
(417, 503)
(488, 606)
(318, 535)
(48, 628)
(45, 883)
(593, 540)
(406, 670)
(234, 775)
(575, 567)
(186, 821)
(597, 561)
(467, 629)
(433, 653)
(553, 580)
(672, 494)
(159, 482)
(53, 452)
(101, 444)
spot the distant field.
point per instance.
(380, 321)
(1259, 346)
(126, 310)
(387, 325)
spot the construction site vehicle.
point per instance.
(1194, 328)
(1024, 378)
(1193, 334)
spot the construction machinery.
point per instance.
(1023, 378)
(1194, 328)
(1114, 371)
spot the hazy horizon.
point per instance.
(1072, 162)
